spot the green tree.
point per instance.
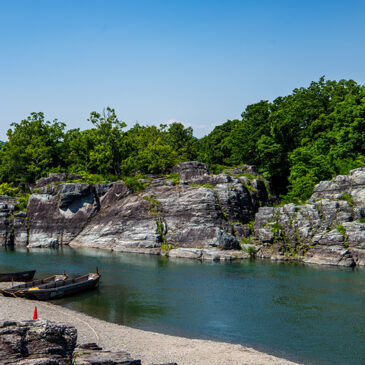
(106, 154)
(33, 148)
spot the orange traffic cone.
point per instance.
(35, 315)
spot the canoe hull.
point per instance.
(61, 291)
(47, 294)
(11, 292)
(17, 276)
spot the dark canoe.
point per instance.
(31, 284)
(18, 276)
(59, 288)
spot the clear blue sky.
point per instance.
(198, 62)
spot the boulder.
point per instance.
(95, 355)
(190, 169)
(36, 342)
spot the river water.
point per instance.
(315, 315)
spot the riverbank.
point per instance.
(150, 347)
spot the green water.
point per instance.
(315, 315)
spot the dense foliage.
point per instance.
(36, 147)
(296, 141)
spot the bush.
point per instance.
(341, 229)
(23, 202)
(134, 183)
(174, 177)
(153, 201)
(348, 198)
(8, 189)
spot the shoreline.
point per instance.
(150, 347)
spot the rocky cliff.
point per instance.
(193, 213)
(327, 229)
(190, 208)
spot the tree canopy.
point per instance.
(297, 140)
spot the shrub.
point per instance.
(134, 183)
(341, 229)
(251, 224)
(276, 227)
(23, 202)
(8, 189)
(348, 198)
(153, 201)
(166, 247)
(174, 177)
(248, 246)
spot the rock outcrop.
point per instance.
(47, 343)
(201, 211)
(328, 229)
(7, 207)
(36, 342)
(190, 209)
(192, 213)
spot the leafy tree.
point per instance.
(149, 151)
(34, 146)
(105, 156)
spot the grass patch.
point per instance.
(276, 227)
(341, 229)
(153, 201)
(251, 224)
(348, 198)
(174, 178)
(208, 186)
(134, 183)
(23, 203)
(248, 246)
(166, 247)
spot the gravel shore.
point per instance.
(150, 347)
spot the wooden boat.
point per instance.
(59, 288)
(31, 284)
(17, 276)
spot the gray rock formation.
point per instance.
(57, 213)
(197, 211)
(7, 207)
(199, 216)
(46, 343)
(325, 230)
(201, 211)
(92, 354)
(36, 342)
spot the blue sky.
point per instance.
(198, 62)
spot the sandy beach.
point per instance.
(148, 346)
